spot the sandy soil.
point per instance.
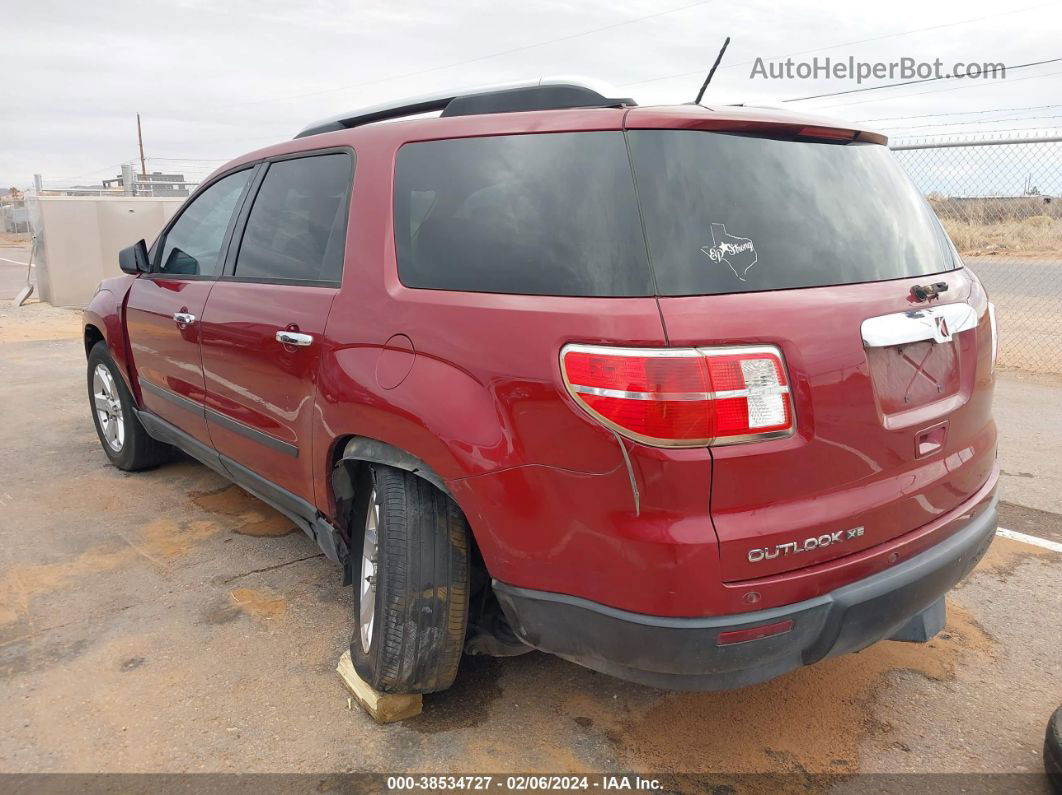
(37, 321)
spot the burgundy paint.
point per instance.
(165, 355)
(545, 488)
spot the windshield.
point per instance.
(728, 213)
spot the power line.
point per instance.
(900, 138)
(99, 170)
(968, 123)
(193, 159)
(913, 82)
(848, 43)
(960, 113)
(1008, 134)
(476, 59)
(938, 91)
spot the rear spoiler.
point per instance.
(785, 130)
(764, 124)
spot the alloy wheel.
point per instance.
(370, 549)
(108, 407)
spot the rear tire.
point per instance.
(123, 438)
(411, 603)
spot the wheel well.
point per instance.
(351, 458)
(92, 336)
(488, 628)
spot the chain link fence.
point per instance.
(1001, 201)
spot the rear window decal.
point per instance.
(738, 253)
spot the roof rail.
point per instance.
(547, 93)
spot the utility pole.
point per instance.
(140, 140)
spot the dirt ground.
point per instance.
(166, 621)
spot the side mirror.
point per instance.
(134, 259)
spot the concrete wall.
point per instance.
(82, 235)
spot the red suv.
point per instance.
(691, 396)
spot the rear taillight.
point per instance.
(683, 397)
(978, 299)
(995, 332)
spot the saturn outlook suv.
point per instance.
(688, 395)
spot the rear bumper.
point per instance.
(682, 653)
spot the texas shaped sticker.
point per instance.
(737, 252)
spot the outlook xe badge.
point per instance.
(737, 252)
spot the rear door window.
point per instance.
(728, 213)
(297, 227)
(548, 214)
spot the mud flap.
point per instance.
(922, 627)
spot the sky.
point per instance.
(212, 80)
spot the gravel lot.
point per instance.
(166, 621)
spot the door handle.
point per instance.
(183, 319)
(294, 338)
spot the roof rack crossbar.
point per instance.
(542, 94)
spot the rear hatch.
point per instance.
(813, 243)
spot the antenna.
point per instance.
(711, 73)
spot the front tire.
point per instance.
(123, 438)
(410, 584)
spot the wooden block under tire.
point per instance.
(383, 707)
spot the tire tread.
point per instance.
(422, 588)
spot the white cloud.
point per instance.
(214, 79)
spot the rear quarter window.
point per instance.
(545, 214)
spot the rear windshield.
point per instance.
(535, 214)
(558, 214)
(729, 213)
